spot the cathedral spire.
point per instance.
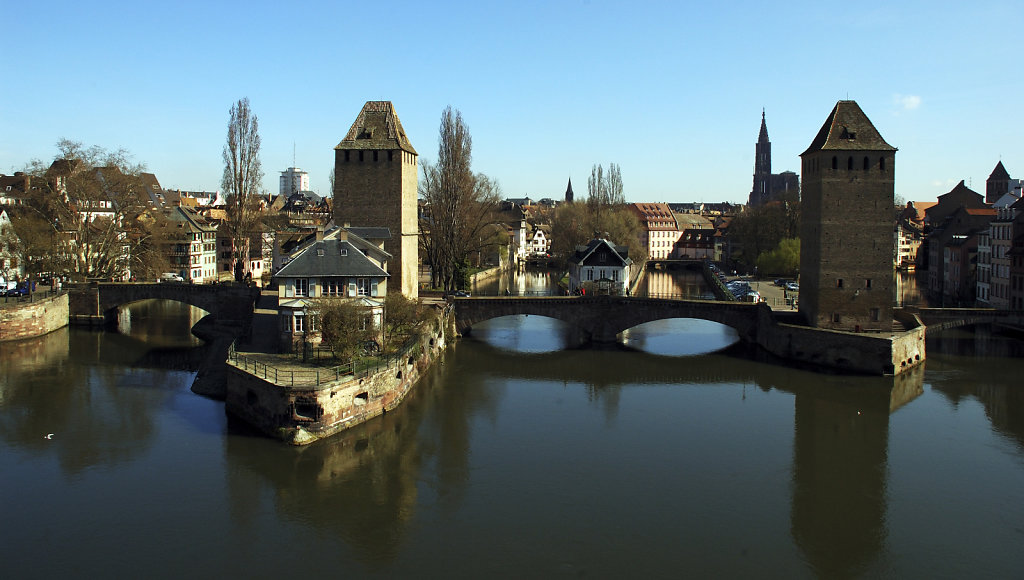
(763, 137)
(568, 192)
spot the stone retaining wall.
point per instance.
(36, 318)
(303, 414)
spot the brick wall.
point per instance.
(36, 318)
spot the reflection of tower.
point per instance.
(846, 249)
(839, 471)
(375, 184)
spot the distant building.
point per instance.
(768, 186)
(193, 246)
(568, 192)
(846, 252)
(658, 232)
(293, 180)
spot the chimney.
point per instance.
(342, 235)
(319, 233)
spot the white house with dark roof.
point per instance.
(600, 267)
(336, 265)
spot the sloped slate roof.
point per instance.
(583, 252)
(310, 262)
(377, 127)
(847, 128)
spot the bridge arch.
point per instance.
(602, 318)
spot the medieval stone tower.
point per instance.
(375, 181)
(846, 225)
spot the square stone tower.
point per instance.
(846, 225)
(375, 181)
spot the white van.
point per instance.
(170, 277)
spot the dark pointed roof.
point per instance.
(999, 173)
(763, 135)
(568, 191)
(377, 127)
(621, 253)
(847, 128)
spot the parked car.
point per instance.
(170, 277)
(461, 294)
(793, 287)
(18, 291)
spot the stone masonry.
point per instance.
(375, 185)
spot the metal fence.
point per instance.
(288, 375)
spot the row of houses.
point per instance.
(974, 245)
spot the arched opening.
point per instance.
(881, 163)
(835, 162)
(527, 333)
(866, 163)
(160, 322)
(849, 163)
(680, 337)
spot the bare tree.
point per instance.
(242, 182)
(604, 192)
(461, 206)
(87, 216)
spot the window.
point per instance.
(866, 163)
(875, 314)
(363, 286)
(299, 323)
(839, 283)
(849, 163)
(590, 274)
(867, 283)
(835, 162)
(881, 163)
(836, 318)
(301, 287)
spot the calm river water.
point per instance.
(515, 458)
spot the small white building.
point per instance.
(11, 268)
(600, 267)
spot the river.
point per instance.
(676, 455)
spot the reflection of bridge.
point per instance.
(230, 306)
(601, 318)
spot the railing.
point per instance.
(281, 375)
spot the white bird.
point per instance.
(50, 436)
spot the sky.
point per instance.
(671, 92)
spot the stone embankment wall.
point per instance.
(301, 414)
(36, 318)
(866, 353)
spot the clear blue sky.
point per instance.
(670, 92)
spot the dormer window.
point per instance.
(343, 252)
(319, 251)
(847, 134)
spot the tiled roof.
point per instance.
(377, 127)
(847, 128)
(330, 258)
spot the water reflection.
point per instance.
(163, 323)
(688, 283)
(527, 282)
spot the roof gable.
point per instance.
(847, 128)
(377, 127)
(616, 255)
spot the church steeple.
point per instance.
(568, 192)
(762, 191)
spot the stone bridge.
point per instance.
(601, 318)
(231, 308)
(98, 303)
(945, 318)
